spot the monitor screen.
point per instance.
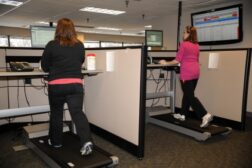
(154, 38)
(40, 36)
(219, 26)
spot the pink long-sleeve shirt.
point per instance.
(188, 57)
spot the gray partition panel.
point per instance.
(221, 84)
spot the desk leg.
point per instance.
(173, 90)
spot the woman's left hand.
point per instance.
(162, 62)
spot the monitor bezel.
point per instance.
(220, 42)
(46, 27)
(161, 31)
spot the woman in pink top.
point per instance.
(188, 57)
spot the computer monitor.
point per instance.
(154, 38)
(41, 35)
(219, 26)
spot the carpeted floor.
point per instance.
(163, 149)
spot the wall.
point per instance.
(169, 25)
(88, 36)
(14, 31)
(247, 25)
(114, 38)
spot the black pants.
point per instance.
(72, 94)
(189, 99)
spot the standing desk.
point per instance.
(39, 73)
(190, 127)
(66, 156)
(172, 91)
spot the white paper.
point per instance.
(213, 61)
(110, 61)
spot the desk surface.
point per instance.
(167, 67)
(40, 73)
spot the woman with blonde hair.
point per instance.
(188, 57)
(63, 58)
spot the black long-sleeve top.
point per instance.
(63, 61)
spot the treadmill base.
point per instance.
(189, 127)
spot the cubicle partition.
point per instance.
(223, 87)
(115, 99)
(223, 84)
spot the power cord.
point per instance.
(27, 101)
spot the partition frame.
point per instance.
(235, 124)
(137, 150)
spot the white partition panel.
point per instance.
(112, 98)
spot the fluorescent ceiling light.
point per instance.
(45, 23)
(100, 10)
(108, 28)
(129, 34)
(148, 26)
(11, 3)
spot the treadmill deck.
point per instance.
(190, 127)
(69, 154)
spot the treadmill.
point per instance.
(190, 127)
(67, 156)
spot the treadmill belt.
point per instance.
(69, 154)
(192, 124)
